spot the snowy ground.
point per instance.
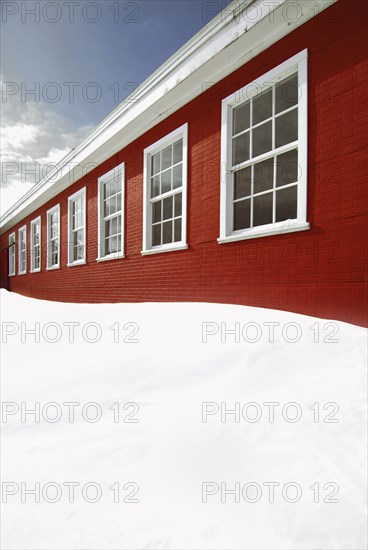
(159, 435)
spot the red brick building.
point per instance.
(237, 173)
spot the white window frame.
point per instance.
(179, 133)
(298, 62)
(21, 230)
(49, 266)
(81, 193)
(32, 247)
(118, 173)
(13, 253)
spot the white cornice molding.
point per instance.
(226, 43)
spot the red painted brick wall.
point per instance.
(321, 272)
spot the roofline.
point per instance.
(178, 81)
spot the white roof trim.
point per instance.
(226, 43)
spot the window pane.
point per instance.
(262, 107)
(110, 227)
(107, 207)
(178, 151)
(155, 186)
(241, 118)
(114, 226)
(287, 168)
(262, 209)
(156, 212)
(78, 237)
(241, 149)
(156, 235)
(118, 199)
(242, 215)
(286, 204)
(287, 93)
(80, 218)
(168, 208)
(166, 158)
(167, 232)
(242, 183)
(53, 253)
(262, 139)
(113, 245)
(263, 176)
(113, 186)
(156, 166)
(177, 230)
(107, 247)
(118, 243)
(177, 176)
(106, 190)
(287, 128)
(166, 181)
(113, 206)
(177, 201)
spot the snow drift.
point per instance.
(181, 426)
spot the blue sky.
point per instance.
(82, 58)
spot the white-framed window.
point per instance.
(22, 250)
(77, 228)
(165, 193)
(53, 238)
(11, 253)
(264, 155)
(110, 214)
(35, 239)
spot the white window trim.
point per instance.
(55, 208)
(118, 171)
(34, 222)
(20, 230)
(14, 253)
(82, 192)
(181, 132)
(299, 62)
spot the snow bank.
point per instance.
(160, 383)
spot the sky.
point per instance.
(66, 64)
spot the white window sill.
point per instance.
(265, 231)
(110, 257)
(35, 270)
(11, 274)
(22, 273)
(165, 248)
(78, 262)
(52, 267)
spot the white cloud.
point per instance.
(32, 137)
